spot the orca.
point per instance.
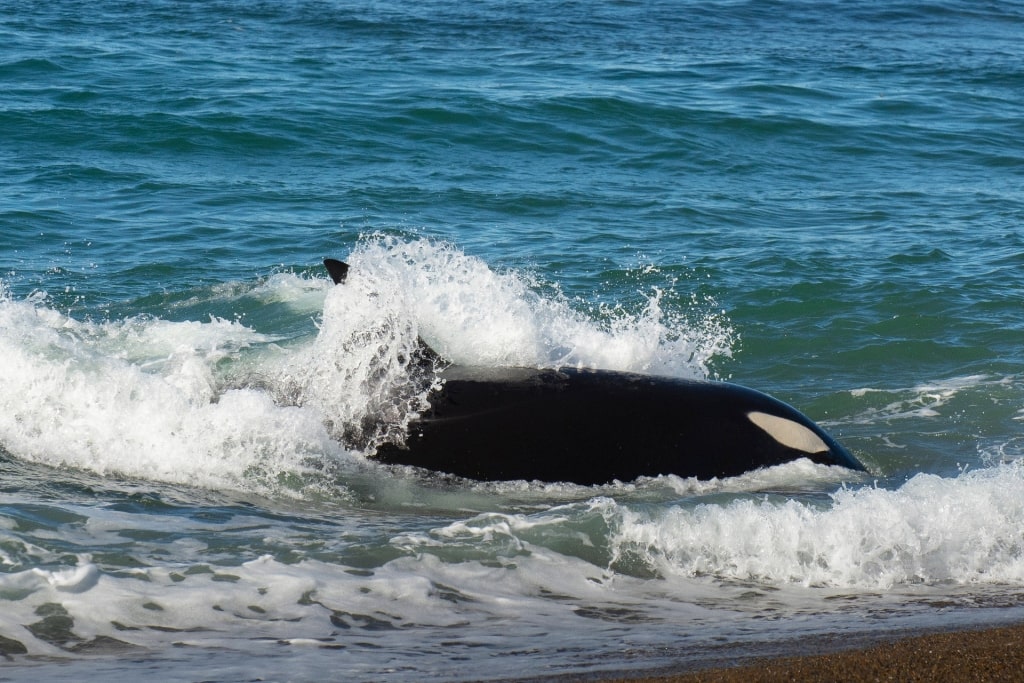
(593, 427)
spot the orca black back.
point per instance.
(598, 426)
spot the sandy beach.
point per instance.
(995, 654)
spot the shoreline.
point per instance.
(975, 654)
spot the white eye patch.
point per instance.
(788, 433)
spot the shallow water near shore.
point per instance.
(820, 200)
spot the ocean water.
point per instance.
(820, 200)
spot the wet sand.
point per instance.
(995, 654)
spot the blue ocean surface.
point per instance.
(822, 200)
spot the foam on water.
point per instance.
(932, 530)
(217, 404)
(922, 400)
(141, 397)
(533, 572)
(473, 315)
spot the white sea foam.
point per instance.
(590, 558)
(932, 530)
(298, 293)
(474, 315)
(140, 398)
(310, 601)
(214, 403)
(922, 400)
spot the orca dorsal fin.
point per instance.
(338, 270)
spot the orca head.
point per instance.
(792, 430)
(789, 433)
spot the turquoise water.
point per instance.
(820, 200)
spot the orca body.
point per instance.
(597, 426)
